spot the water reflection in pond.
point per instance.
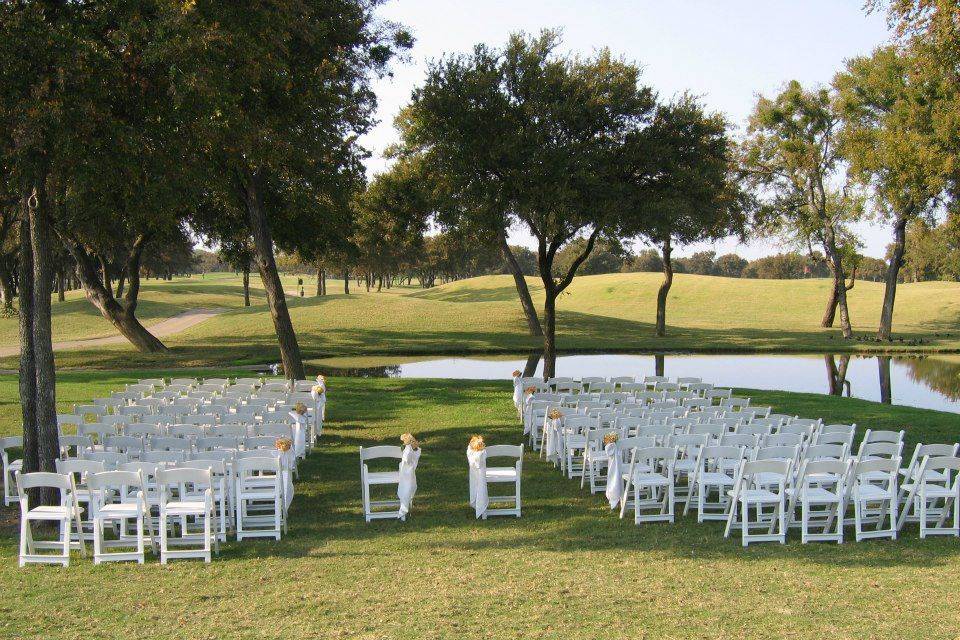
(931, 382)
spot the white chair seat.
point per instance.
(650, 480)
(815, 494)
(931, 475)
(49, 513)
(501, 474)
(686, 465)
(872, 491)
(186, 508)
(716, 478)
(120, 510)
(757, 495)
(874, 476)
(934, 491)
(768, 478)
(383, 477)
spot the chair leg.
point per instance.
(24, 539)
(141, 553)
(163, 537)
(97, 539)
(65, 528)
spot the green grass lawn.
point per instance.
(482, 315)
(567, 569)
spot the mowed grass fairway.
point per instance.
(604, 312)
(567, 569)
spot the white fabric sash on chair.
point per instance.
(319, 410)
(299, 434)
(527, 414)
(288, 462)
(407, 487)
(614, 483)
(552, 439)
(517, 394)
(479, 499)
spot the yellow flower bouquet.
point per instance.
(477, 443)
(409, 439)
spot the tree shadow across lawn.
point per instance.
(558, 517)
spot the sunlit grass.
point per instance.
(567, 569)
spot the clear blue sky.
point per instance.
(726, 51)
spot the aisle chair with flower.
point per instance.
(651, 477)
(259, 497)
(379, 509)
(482, 475)
(596, 458)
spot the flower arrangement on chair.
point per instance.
(531, 390)
(477, 444)
(610, 438)
(408, 439)
(555, 414)
(321, 387)
(284, 444)
(516, 373)
(300, 408)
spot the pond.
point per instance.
(930, 382)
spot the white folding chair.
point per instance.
(934, 494)
(260, 503)
(119, 497)
(715, 470)
(185, 495)
(79, 470)
(65, 514)
(821, 506)
(505, 475)
(651, 477)
(377, 509)
(760, 485)
(11, 467)
(873, 491)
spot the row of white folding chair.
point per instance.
(11, 466)
(227, 468)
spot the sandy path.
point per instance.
(167, 327)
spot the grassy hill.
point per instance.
(604, 312)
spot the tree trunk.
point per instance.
(319, 282)
(124, 319)
(379, 283)
(659, 364)
(267, 266)
(893, 273)
(6, 288)
(529, 311)
(48, 441)
(323, 282)
(836, 269)
(28, 368)
(831, 311)
(664, 290)
(346, 282)
(121, 283)
(550, 333)
(61, 294)
(530, 368)
(246, 285)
